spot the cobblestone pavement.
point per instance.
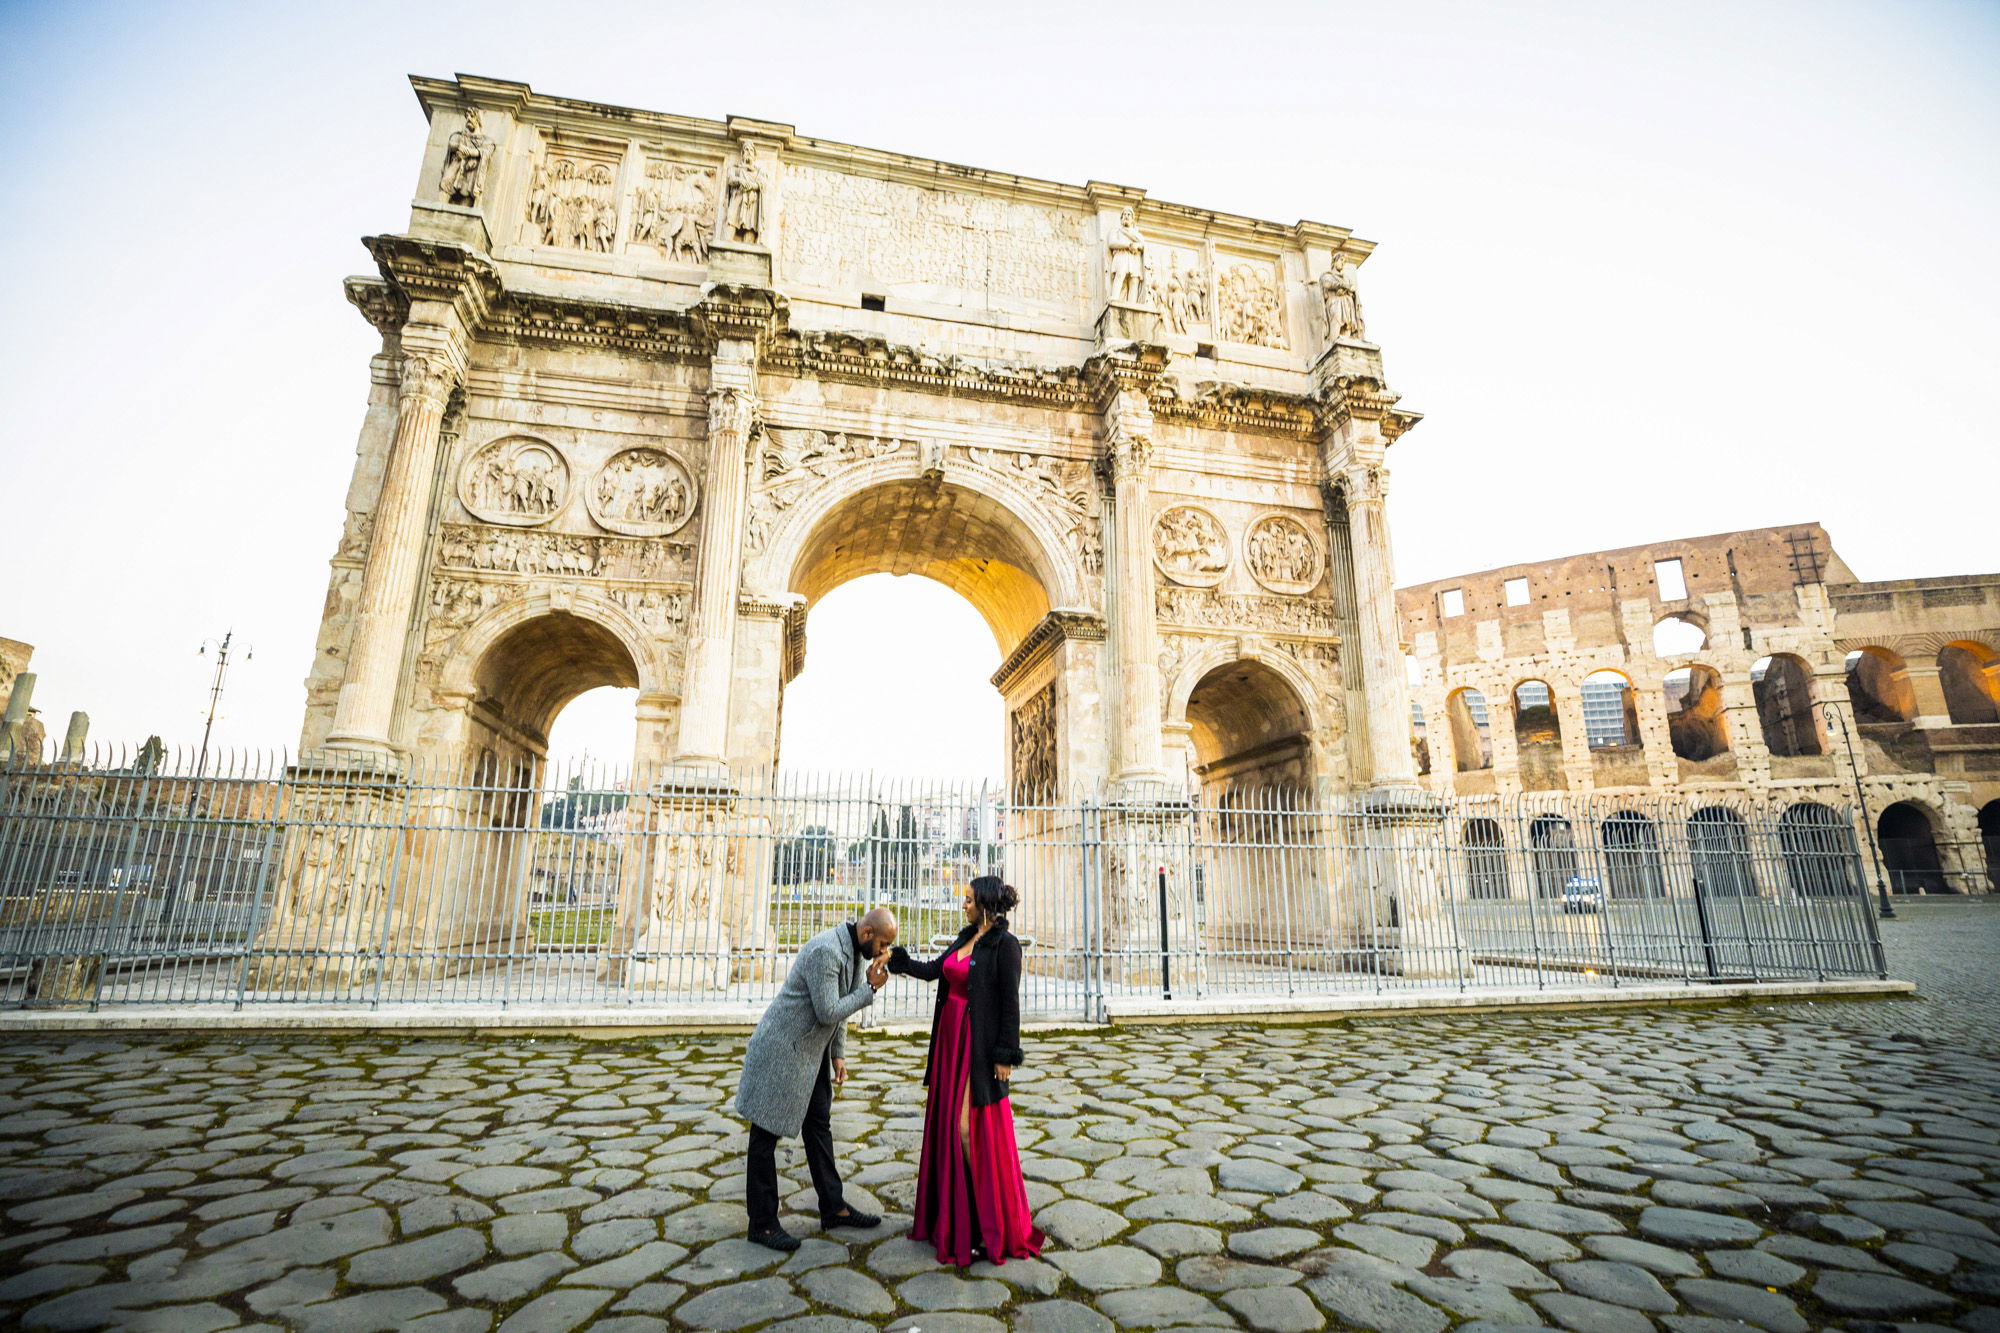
(1685, 1170)
(1951, 948)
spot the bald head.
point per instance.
(876, 931)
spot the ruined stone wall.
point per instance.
(1774, 601)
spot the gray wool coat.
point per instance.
(805, 1024)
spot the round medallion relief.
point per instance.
(1190, 546)
(642, 492)
(518, 480)
(1282, 554)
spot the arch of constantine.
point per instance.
(650, 386)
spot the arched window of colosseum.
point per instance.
(1485, 860)
(1610, 717)
(1632, 857)
(1719, 853)
(1989, 835)
(1535, 721)
(1552, 853)
(1783, 687)
(1878, 683)
(1696, 722)
(1909, 850)
(1420, 742)
(1471, 747)
(1677, 636)
(1970, 675)
(1819, 851)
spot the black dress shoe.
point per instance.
(849, 1217)
(777, 1238)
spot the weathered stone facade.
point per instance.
(649, 386)
(1782, 658)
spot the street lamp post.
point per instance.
(215, 690)
(1834, 717)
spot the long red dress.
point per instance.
(983, 1200)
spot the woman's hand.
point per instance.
(1003, 1072)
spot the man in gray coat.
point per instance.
(796, 1056)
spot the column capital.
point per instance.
(427, 374)
(732, 412)
(1128, 454)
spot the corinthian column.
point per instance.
(1387, 686)
(366, 708)
(732, 415)
(1137, 657)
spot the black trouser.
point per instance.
(760, 1193)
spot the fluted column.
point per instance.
(1137, 654)
(364, 714)
(1388, 688)
(705, 693)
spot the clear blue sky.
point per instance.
(1649, 270)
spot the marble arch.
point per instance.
(752, 363)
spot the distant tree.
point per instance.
(576, 806)
(806, 858)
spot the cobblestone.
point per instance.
(1778, 1166)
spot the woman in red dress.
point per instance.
(971, 1200)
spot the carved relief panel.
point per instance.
(1069, 485)
(1201, 608)
(673, 211)
(1250, 303)
(643, 492)
(1034, 749)
(1182, 287)
(520, 481)
(792, 460)
(572, 198)
(1190, 546)
(1282, 554)
(512, 551)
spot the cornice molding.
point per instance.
(430, 270)
(1224, 405)
(1041, 641)
(379, 303)
(1133, 368)
(1363, 398)
(859, 359)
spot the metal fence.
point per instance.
(248, 881)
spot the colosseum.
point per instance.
(1744, 666)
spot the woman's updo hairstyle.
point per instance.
(994, 897)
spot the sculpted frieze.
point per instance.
(657, 610)
(1179, 280)
(1250, 306)
(1069, 485)
(513, 551)
(1205, 608)
(1282, 554)
(673, 211)
(1034, 746)
(643, 492)
(354, 536)
(1190, 546)
(845, 230)
(520, 481)
(791, 460)
(571, 204)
